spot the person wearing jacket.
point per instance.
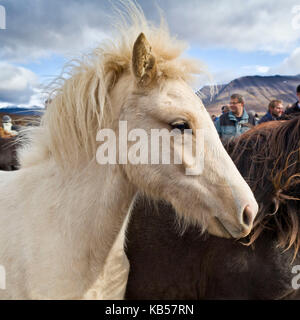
(295, 108)
(275, 111)
(236, 121)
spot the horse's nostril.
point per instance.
(247, 216)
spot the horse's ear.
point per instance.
(143, 61)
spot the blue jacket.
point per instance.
(229, 126)
(267, 117)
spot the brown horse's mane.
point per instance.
(268, 156)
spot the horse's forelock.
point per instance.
(80, 102)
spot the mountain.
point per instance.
(257, 91)
(20, 115)
(19, 111)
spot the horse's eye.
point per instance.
(181, 125)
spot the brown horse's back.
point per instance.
(167, 265)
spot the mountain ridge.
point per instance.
(22, 111)
(257, 91)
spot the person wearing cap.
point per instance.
(225, 109)
(295, 108)
(8, 126)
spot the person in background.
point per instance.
(254, 114)
(236, 121)
(225, 109)
(275, 111)
(288, 106)
(295, 108)
(7, 125)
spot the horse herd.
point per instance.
(65, 218)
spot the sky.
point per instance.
(233, 38)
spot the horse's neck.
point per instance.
(94, 203)
(115, 196)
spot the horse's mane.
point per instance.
(80, 104)
(268, 156)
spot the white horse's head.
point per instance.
(142, 80)
(217, 199)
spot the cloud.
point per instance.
(38, 28)
(290, 65)
(226, 75)
(17, 84)
(243, 25)
(262, 69)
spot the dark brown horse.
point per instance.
(8, 154)
(168, 264)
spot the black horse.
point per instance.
(168, 264)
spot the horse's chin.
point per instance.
(216, 228)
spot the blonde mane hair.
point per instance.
(80, 105)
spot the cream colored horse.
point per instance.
(61, 213)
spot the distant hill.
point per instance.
(15, 110)
(20, 115)
(258, 91)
